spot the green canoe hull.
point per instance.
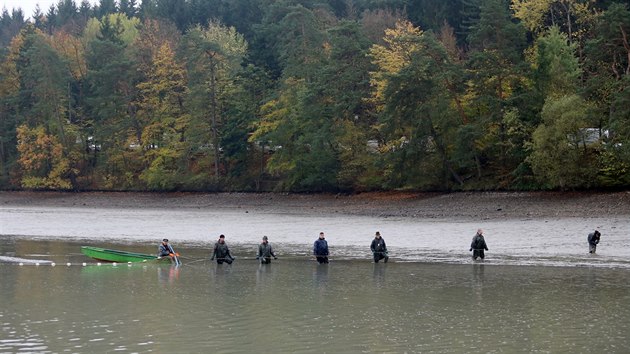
(107, 255)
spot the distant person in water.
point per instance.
(478, 245)
(379, 249)
(593, 240)
(320, 249)
(222, 252)
(166, 250)
(265, 251)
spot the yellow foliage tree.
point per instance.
(72, 49)
(531, 12)
(42, 160)
(164, 118)
(400, 44)
(573, 15)
(9, 78)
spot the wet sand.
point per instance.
(463, 205)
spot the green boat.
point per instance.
(107, 255)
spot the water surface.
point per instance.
(537, 291)
(300, 306)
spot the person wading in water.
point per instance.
(593, 240)
(221, 252)
(379, 249)
(478, 245)
(265, 251)
(320, 249)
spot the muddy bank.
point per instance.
(477, 205)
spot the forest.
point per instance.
(336, 96)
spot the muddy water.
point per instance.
(537, 291)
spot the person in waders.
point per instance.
(379, 249)
(265, 251)
(320, 249)
(221, 252)
(593, 240)
(478, 246)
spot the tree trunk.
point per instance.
(626, 45)
(442, 150)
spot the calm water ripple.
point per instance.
(299, 306)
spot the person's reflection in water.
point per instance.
(379, 275)
(221, 270)
(220, 275)
(262, 273)
(592, 277)
(478, 278)
(168, 275)
(320, 276)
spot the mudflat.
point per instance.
(461, 205)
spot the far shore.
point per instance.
(461, 205)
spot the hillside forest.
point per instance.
(316, 95)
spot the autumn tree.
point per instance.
(572, 16)
(418, 116)
(42, 160)
(44, 80)
(393, 56)
(9, 93)
(164, 120)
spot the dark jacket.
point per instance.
(165, 250)
(378, 245)
(320, 248)
(265, 251)
(478, 242)
(593, 238)
(221, 251)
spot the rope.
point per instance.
(189, 261)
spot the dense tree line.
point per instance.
(316, 95)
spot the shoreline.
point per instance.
(461, 205)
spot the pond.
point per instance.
(528, 296)
(300, 306)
